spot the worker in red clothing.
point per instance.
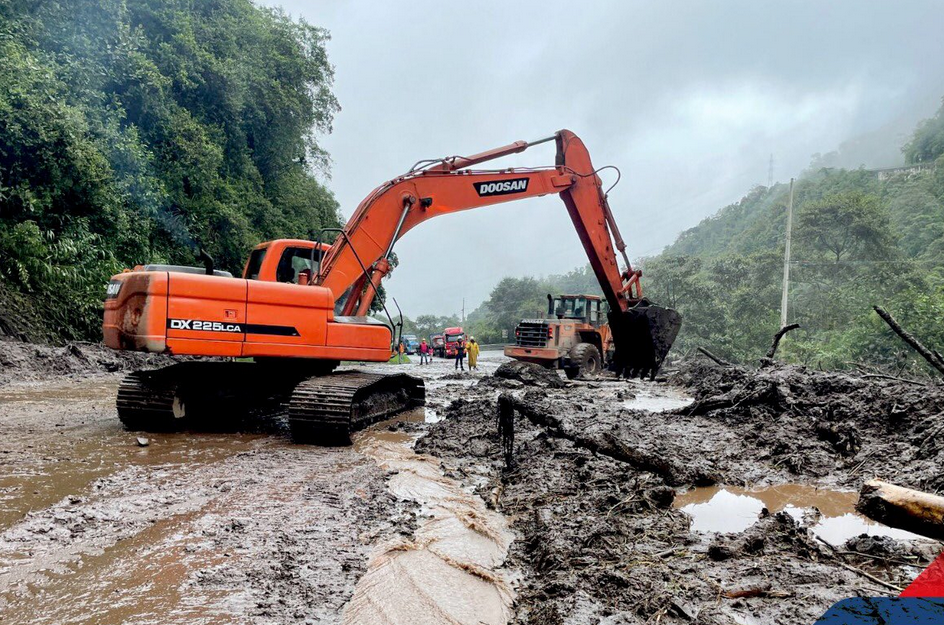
(424, 353)
(460, 355)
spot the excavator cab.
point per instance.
(283, 260)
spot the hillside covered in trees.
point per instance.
(135, 131)
(859, 239)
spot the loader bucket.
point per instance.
(643, 337)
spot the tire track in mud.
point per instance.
(449, 571)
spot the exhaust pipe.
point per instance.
(207, 261)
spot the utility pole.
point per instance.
(786, 260)
(770, 172)
(463, 311)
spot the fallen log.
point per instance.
(609, 444)
(910, 510)
(933, 358)
(723, 363)
(506, 428)
(777, 337)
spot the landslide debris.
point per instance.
(593, 479)
(23, 361)
(826, 424)
(530, 374)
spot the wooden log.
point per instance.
(714, 358)
(777, 337)
(910, 510)
(932, 357)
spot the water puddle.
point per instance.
(448, 572)
(730, 510)
(661, 400)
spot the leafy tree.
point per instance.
(843, 226)
(135, 131)
(927, 142)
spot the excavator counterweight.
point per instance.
(301, 307)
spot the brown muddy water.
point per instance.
(829, 514)
(193, 528)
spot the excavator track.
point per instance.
(145, 402)
(328, 409)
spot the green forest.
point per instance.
(133, 131)
(858, 241)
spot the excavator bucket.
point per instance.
(643, 337)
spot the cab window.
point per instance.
(293, 261)
(255, 264)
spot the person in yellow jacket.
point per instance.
(472, 350)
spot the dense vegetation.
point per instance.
(136, 130)
(857, 241)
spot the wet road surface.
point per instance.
(211, 527)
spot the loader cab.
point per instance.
(284, 260)
(584, 308)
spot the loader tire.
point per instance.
(585, 361)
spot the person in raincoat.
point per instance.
(472, 350)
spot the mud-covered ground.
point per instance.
(591, 491)
(585, 527)
(22, 362)
(191, 528)
(234, 527)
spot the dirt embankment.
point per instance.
(590, 494)
(836, 428)
(21, 361)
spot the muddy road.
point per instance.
(709, 498)
(205, 527)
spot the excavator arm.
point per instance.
(359, 257)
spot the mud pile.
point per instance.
(591, 489)
(529, 374)
(826, 424)
(22, 361)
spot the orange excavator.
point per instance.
(301, 307)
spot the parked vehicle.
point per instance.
(438, 343)
(411, 343)
(452, 337)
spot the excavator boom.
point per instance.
(643, 333)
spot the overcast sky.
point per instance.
(688, 99)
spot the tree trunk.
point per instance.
(926, 353)
(910, 510)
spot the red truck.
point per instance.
(438, 343)
(453, 336)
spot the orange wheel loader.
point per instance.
(301, 307)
